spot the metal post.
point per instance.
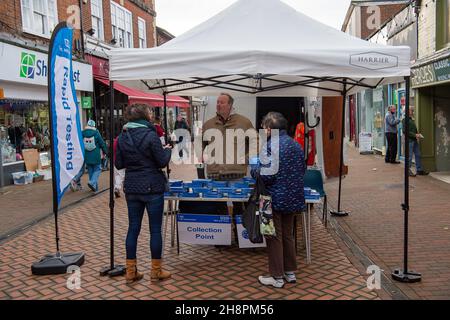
(167, 126)
(398, 274)
(340, 213)
(2, 182)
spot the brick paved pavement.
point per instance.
(375, 223)
(23, 205)
(199, 272)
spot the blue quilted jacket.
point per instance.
(140, 152)
(285, 181)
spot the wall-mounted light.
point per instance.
(91, 32)
(113, 41)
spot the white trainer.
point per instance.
(290, 277)
(271, 281)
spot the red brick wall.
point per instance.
(386, 12)
(11, 19)
(136, 12)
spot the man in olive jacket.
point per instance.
(93, 142)
(413, 137)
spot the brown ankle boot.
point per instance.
(157, 272)
(132, 274)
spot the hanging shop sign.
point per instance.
(431, 74)
(31, 67)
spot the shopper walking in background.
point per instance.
(413, 137)
(93, 145)
(391, 131)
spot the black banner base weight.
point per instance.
(113, 272)
(339, 213)
(407, 277)
(57, 263)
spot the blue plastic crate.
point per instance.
(200, 190)
(226, 190)
(177, 189)
(213, 195)
(218, 184)
(176, 183)
(238, 195)
(250, 180)
(239, 185)
(189, 195)
(188, 185)
(200, 183)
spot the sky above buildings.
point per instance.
(178, 16)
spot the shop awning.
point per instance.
(152, 99)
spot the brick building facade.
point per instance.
(25, 30)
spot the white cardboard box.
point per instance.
(243, 236)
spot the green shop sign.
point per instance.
(86, 102)
(432, 73)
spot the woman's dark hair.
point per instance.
(274, 120)
(137, 112)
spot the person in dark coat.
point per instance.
(181, 124)
(140, 152)
(282, 169)
(93, 143)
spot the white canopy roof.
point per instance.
(262, 48)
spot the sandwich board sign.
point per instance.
(204, 229)
(365, 143)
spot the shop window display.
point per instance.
(23, 125)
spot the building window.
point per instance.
(447, 22)
(122, 28)
(142, 33)
(97, 18)
(442, 24)
(39, 16)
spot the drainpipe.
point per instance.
(417, 4)
(81, 28)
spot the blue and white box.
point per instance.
(204, 229)
(243, 236)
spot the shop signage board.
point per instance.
(243, 240)
(86, 102)
(31, 67)
(204, 229)
(432, 73)
(365, 142)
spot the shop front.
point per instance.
(432, 84)
(123, 96)
(24, 115)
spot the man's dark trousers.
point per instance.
(391, 153)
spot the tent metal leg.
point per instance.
(339, 212)
(398, 274)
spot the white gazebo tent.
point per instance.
(265, 48)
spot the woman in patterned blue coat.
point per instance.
(282, 170)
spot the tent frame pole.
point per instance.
(112, 270)
(398, 274)
(339, 212)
